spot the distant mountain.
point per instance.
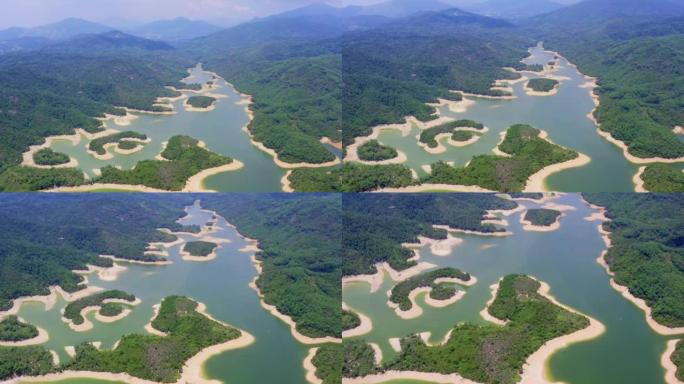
(514, 9)
(174, 30)
(595, 12)
(113, 40)
(60, 30)
(23, 44)
(403, 8)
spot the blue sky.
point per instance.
(120, 13)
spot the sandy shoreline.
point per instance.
(534, 370)
(41, 338)
(668, 365)
(285, 182)
(99, 186)
(310, 368)
(485, 312)
(196, 182)
(365, 327)
(639, 181)
(624, 291)
(625, 150)
(409, 375)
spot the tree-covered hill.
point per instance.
(391, 72)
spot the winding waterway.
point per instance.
(221, 129)
(221, 284)
(563, 116)
(628, 352)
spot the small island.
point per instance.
(200, 103)
(402, 296)
(457, 130)
(98, 146)
(48, 157)
(199, 250)
(74, 312)
(541, 220)
(374, 151)
(662, 178)
(541, 86)
(13, 330)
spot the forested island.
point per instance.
(482, 353)
(72, 311)
(199, 248)
(542, 216)
(47, 156)
(439, 291)
(11, 329)
(428, 136)
(374, 151)
(352, 177)
(374, 232)
(350, 320)
(529, 153)
(202, 102)
(98, 145)
(542, 84)
(646, 254)
(328, 362)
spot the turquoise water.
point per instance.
(222, 284)
(563, 116)
(628, 352)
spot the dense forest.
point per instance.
(529, 154)
(374, 151)
(291, 67)
(350, 320)
(158, 358)
(377, 225)
(299, 236)
(18, 361)
(52, 92)
(47, 156)
(542, 216)
(393, 71)
(647, 254)
(482, 353)
(638, 61)
(663, 178)
(328, 362)
(352, 177)
(44, 237)
(11, 329)
(678, 359)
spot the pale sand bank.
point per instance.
(395, 343)
(469, 232)
(409, 375)
(377, 353)
(365, 327)
(334, 144)
(425, 336)
(196, 182)
(435, 187)
(485, 312)
(285, 182)
(634, 159)
(534, 370)
(639, 181)
(100, 186)
(310, 368)
(666, 362)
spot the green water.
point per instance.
(222, 284)
(220, 129)
(563, 116)
(628, 352)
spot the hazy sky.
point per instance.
(119, 13)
